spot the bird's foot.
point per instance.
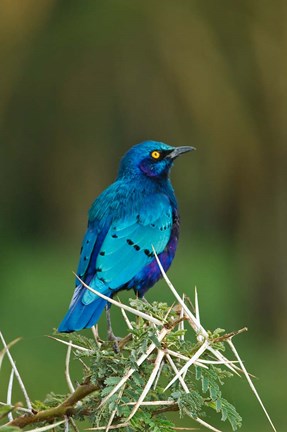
(115, 340)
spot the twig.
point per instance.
(229, 335)
(171, 407)
(73, 423)
(59, 411)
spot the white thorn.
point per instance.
(118, 426)
(149, 383)
(192, 319)
(115, 410)
(250, 382)
(142, 358)
(126, 318)
(45, 428)
(153, 403)
(67, 368)
(223, 359)
(182, 382)
(9, 393)
(95, 331)
(67, 426)
(207, 425)
(189, 363)
(196, 305)
(122, 305)
(21, 384)
(181, 324)
(70, 344)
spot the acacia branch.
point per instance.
(65, 408)
(169, 408)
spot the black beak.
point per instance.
(179, 151)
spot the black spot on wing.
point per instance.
(148, 253)
(102, 253)
(114, 236)
(131, 243)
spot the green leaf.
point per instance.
(112, 381)
(189, 403)
(10, 429)
(153, 337)
(209, 380)
(228, 412)
(4, 410)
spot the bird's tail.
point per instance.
(80, 314)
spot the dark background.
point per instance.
(83, 81)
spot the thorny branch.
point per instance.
(64, 409)
(162, 354)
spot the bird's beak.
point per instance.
(179, 151)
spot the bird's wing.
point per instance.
(127, 246)
(87, 248)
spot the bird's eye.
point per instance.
(155, 154)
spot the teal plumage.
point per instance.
(137, 211)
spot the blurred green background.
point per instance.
(83, 81)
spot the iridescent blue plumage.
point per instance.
(137, 211)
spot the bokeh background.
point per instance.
(83, 81)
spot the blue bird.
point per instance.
(137, 211)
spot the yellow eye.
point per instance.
(155, 154)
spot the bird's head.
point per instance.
(150, 158)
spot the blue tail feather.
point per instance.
(80, 315)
